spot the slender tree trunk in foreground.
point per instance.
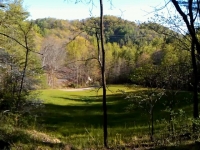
(23, 73)
(195, 85)
(190, 23)
(105, 132)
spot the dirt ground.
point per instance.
(78, 89)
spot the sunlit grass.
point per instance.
(76, 116)
(59, 97)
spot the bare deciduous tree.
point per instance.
(53, 57)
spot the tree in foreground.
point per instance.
(19, 63)
(102, 60)
(189, 11)
(150, 76)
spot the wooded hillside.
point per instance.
(70, 49)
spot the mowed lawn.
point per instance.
(78, 114)
(66, 110)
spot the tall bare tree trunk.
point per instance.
(23, 73)
(103, 77)
(195, 45)
(195, 84)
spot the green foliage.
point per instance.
(147, 101)
(129, 46)
(147, 75)
(19, 69)
(135, 53)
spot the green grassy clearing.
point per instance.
(75, 117)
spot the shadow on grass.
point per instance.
(74, 118)
(92, 99)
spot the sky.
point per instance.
(133, 10)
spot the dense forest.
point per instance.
(66, 51)
(51, 54)
(129, 48)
